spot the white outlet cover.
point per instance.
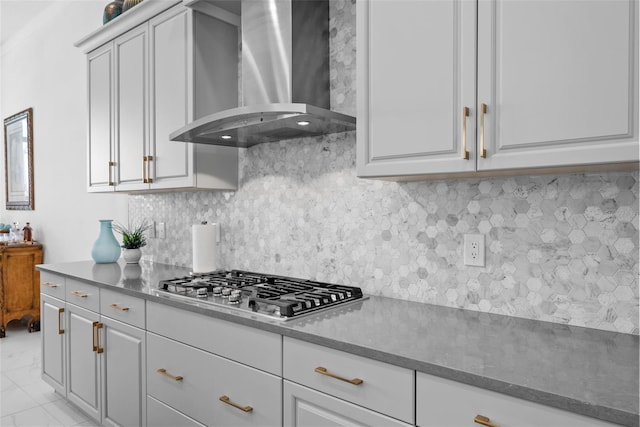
(474, 250)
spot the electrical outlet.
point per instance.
(474, 250)
(152, 230)
(161, 230)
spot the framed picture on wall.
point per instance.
(18, 160)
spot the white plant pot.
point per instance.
(132, 256)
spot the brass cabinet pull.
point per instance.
(60, 330)
(98, 348)
(465, 114)
(164, 372)
(49, 285)
(228, 401)
(483, 110)
(485, 421)
(93, 335)
(111, 164)
(79, 294)
(117, 307)
(146, 169)
(323, 371)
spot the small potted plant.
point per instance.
(133, 239)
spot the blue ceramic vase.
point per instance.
(106, 249)
(112, 10)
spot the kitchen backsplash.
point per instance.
(560, 248)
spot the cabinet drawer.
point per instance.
(194, 382)
(52, 284)
(125, 308)
(385, 388)
(161, 415)
(438, 403)
(306, 407)
(83, 295)
(227, 339)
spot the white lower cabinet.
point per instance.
(161, 415)
(386, 389)
(445, 403)
(124, 383)
(304, 407)
(210, 389)
(52, 330)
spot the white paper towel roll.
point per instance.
(205, 239)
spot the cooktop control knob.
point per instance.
(201, 293)
(226, 292)
(217, 291)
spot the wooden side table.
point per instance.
(20, 284)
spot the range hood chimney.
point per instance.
(285, 79)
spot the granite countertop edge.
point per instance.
(602, 412)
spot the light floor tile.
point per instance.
(31, 417)
(5, 382)
(26, 375)
(67, 414)
(41, 392)
(14, 400)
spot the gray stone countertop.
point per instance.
(586, 371)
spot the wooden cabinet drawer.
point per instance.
(125, 308)
(445, 403)
(194, 381)
(52, 284)
(83, 295)
(230, 340)
(385, 388)
(161, 415)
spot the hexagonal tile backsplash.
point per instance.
(560, 248)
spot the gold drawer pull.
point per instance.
(79, 294)
(117, 307)
(164, 372)
(60, 330)
(96, 337)
(228, 401)
(485, 421)
(49, 285)
(323, 371)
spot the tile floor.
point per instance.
(26, 400)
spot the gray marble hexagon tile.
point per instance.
(560, 248)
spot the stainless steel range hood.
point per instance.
(285, 79)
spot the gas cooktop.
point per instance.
(277, 297)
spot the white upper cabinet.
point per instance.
(522, 85)
(416, 71)
(560, 81)
(154, 71)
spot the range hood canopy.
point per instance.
(285, 79)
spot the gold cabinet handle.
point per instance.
(111, 164)
(164, 372)
(79, 294)
(93, 336)
(60, 330)
(483, 111)
(98, 327)
(323, 371)
(228, 401)
(485, 421)
(146, 169)
(49, 285)
(117, 307)
(465, 114)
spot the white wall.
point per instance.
(40, 68)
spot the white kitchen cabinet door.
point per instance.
(52, 331)
(83, 373)
(123, 366)
(101, 139)
(131, 109)
(445, 403)
(193, 59)
(304, 407)
(416, 76)
(560, 81)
